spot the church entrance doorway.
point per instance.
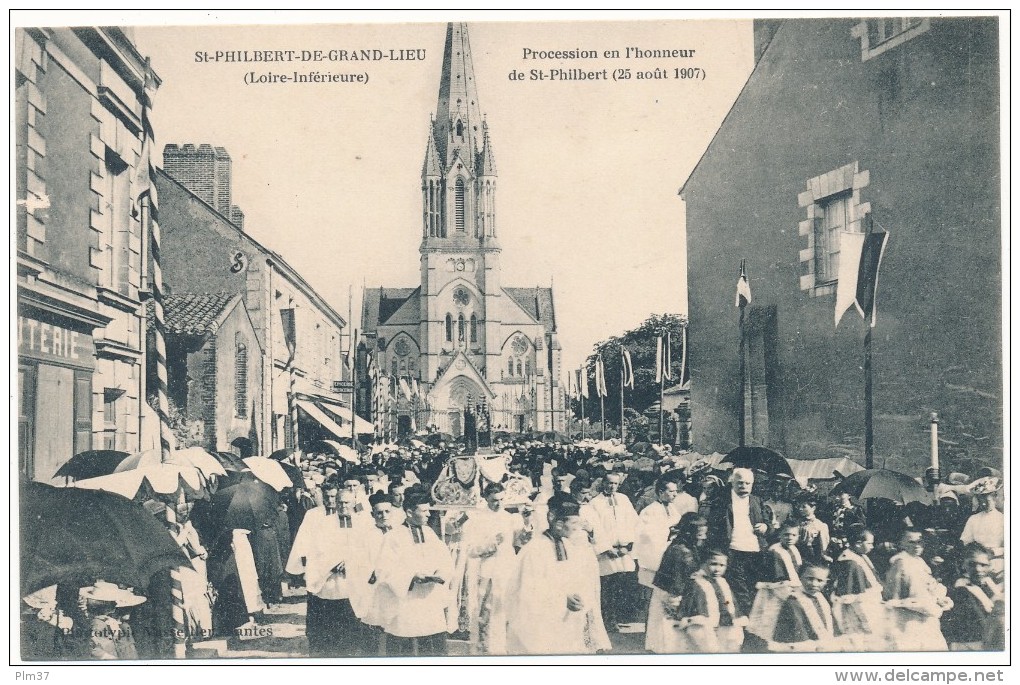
(519, 423)
(403, 426)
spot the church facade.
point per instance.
(461, 342)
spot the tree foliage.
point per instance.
(641, 343)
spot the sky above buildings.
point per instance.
(328, 174)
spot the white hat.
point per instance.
(103, 591)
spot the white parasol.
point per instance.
(269, 472)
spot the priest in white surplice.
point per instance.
(416, 567)
(616, 526)
(331, 551)
(555, 586)
(489, 538)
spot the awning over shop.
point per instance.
(362, 426)
(323, 419)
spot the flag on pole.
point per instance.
(415, 390)
(658, 359)
(684, 375)
(628, 368)
(405, 389)
(582, 382)
(860, 255)
(743, 286)
(667, 357)
(600, 377)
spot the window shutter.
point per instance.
(82, 411)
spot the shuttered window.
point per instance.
(458, 200)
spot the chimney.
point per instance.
(206, 172)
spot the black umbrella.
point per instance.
(433, 439)
(91, 464)
(280, 455)
(78, 535)
(230, 461)
(759, 459)
(295, 475)
(249, 504)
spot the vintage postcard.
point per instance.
(664, 339)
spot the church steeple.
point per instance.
(457, 127)
(459, 172)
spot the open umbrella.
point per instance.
(269, 471)
(759, 459)
(75, 535)
(433, 439)
(91, 464)
(249, 504)
(345, 452)
(280, 455)
(207, 464)
(153, 479)
(229, 461)
(882, 484)
(294, 473)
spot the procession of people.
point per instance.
(704, 558)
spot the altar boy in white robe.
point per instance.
(415, 566)
(554, 590)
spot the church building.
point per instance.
(461, 344)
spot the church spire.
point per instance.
(457, 125)
(431, 167)
(486, 160)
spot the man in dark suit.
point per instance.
(738, 523)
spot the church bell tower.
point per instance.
(460, 269)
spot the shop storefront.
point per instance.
(55, 366)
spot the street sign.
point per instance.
(343, 386)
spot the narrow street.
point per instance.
(282, 636)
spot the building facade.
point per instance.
(461, 336)
(214, 369)
(300, 334)
(80, 244)
(845, 126)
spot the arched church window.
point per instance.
(449, 328)
(460, 129)
(474, 328)
(394, 368)
(458, 202)
(403, 368)
(460, 328)
(519, 373)
(411, 367)
(509, 367)
(527, 367)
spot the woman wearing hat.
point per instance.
(987, 526)
(109, 633)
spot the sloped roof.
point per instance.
(537, 302)
(401, 306)
(379, 304)
(191, 313)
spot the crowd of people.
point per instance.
(709, 560)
